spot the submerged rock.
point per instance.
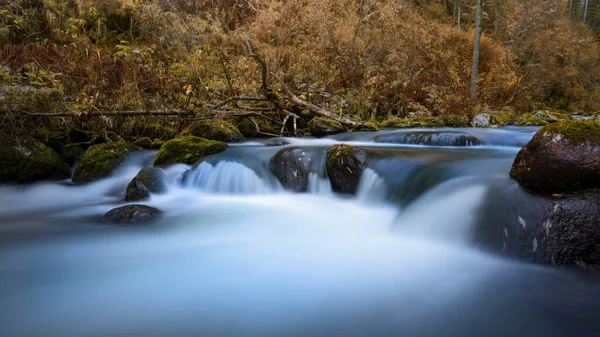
(345, 164)
(561, 157)
(148, 180)
(321, 127)
(101, 160)
(132, 215)
(292, 168)
(434, 138)
(215, 130)
(187, 150)
(24, 159)
(277, 142)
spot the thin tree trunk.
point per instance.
(570, 7)
(454, 12)
(585, 10)
(476, 42)
(459, 15)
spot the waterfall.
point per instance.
(318, 185)
(371, 187)
(226, 177)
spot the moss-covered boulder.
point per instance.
(321, 127)
(345, 164)
(101, 160)
(24, 159)
(215, 129)
(156, 144)
(148, 180)
(188, 150)
(132, 215)
(542, 118)
(561, 157)
(291, 167)
(248, 129)
(485, 120)
(144, 143)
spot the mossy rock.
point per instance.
(542, 118)
(322, 127)
(344, 165)
(217, 129)
(248, 129)
(188, 150)
(144, 143)
(369, 126)
(135, 129)
(24, 159)
(101, 160)
(148, 180)
(561, 157)
(486, 120)
(156, 144)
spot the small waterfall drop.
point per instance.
(318, 185)
(371, 187)
(226, 177)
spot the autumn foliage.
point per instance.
(366, 59)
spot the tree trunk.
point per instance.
(476, 42)
(585, 10)
(459, 15)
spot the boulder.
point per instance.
(24, 159)
(216, 129)
(188, 150)
(101, 160)
(563, 156)
(485, 120)
(345, 164)
(541, 118)
(148, 180)
(321, 127)
(292, 167)
(132, 215)
(434, 138)
(144, 143)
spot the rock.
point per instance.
(292, 167)
(277, 142)
(187, 150)
(24, 159)
(571, 234)
(345, 164)
(321, 127)
(101, 160)
(248, 129)
(541, 118)
(561, 157)
(215, 130)
(132, 215)
(148, 180)
(435, 138)
(138, 128)
(485, 120)
(156, 144)
(144, 143)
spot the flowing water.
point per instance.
(237, 255)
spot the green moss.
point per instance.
(321, 126)
(24, 159)
(144, 143)
(530, 121)
(156, 144)
(339, 151)
(577, 131)
(369, 126)
(137, 128)
(215, 129)
(187, 150)
(101, 160)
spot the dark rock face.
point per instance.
(215, 130)
(101, 160)
(572, 232)
(345, 164)
(292, 167)
(434, 138)
(148, 180)
(321, 127)
(188, 150)
(132, 215)
(561, 157)
(24, 159)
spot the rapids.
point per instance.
(237, 255)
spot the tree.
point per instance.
(476, 43)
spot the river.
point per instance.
(236, 255)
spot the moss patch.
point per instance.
(144, 143)
(101, 160)
(339, 151)
(217, 129)
(187, 150)
(321, 127)
(577, 131)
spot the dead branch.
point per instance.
(260, 132)
(113, 113)
(266, 85)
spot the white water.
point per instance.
(235, 255)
